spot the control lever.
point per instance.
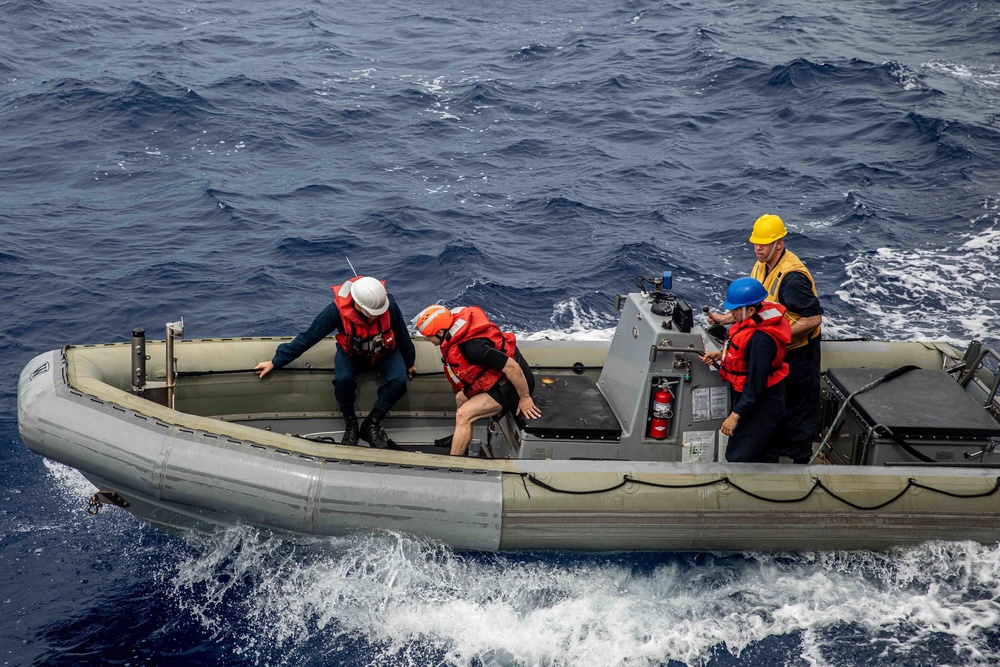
(988, 449)
(715, 330)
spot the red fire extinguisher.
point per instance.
(662, 412)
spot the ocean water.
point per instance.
(221, 161)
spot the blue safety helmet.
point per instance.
(744, 291)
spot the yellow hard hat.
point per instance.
(768, 229)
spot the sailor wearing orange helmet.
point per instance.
(484, 366)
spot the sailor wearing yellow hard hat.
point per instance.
(788, 282)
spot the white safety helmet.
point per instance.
(370, 296)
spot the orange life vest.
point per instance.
(470, 323)
(771, 320)
(358, 337)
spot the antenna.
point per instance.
(352, 266)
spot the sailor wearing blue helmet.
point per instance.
(753, 363)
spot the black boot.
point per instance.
(350, 430)
(371, 430)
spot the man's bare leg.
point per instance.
(477, 407)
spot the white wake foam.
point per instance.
(70, 481)
(573, 321)
(416, 603)
(951, 292)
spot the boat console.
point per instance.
(654, 399)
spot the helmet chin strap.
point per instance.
(774, 246)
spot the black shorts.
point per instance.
(505, 393)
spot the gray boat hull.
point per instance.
(181, 471)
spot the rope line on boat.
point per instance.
(191, 374)
(817, 484)
(573, 492)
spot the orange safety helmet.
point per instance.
(432, 319)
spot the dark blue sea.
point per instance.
(220, 161)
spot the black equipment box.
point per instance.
(573, 408)
(919, 416)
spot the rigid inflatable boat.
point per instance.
(626, 456)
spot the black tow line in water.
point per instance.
(817, 485)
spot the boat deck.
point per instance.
(409, 433)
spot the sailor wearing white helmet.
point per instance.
(371, 335)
